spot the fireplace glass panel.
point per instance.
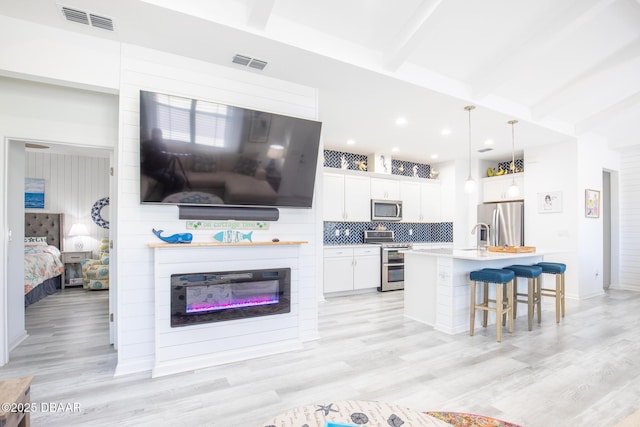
(229, 295)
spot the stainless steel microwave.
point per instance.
(386, 210)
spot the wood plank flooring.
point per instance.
(583, 372)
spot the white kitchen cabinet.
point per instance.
(495, 188)
(421, 202)
(346, 197)
(352, 268)
(385, 189)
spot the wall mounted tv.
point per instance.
(195, 152)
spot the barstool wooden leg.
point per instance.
(499, 309)
(530, 297)
(538, 285)
(485, 314)
(514, 310)
(472, 309)
(558, 296)
(563, 293)
(511, 301)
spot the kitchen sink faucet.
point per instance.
(482, 224)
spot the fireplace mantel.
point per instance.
(223, 245)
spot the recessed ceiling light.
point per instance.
(350, 142)
(434, 156)
(401, 121)
(488, 142)
(395, 149)
(445, 131)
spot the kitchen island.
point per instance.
(437, 286)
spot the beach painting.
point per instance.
(34, 193)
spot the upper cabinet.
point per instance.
(346, 197)
(494, 189)
(421, 201)
(385, 189)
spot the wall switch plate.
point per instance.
(337, 232)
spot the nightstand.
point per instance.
(71, 261)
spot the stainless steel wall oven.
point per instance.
(391, 259)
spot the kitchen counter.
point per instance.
(473, 254)
(437, 287)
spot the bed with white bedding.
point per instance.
(42, 261)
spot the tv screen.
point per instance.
(195, 152)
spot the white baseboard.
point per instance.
(207, 361)
(134, 367)
(18, 340)
(624, 287)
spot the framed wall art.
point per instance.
(34, 193)
(592, 203)
(550, 202)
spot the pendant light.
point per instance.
(513, 190)
(470, 184)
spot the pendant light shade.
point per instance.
(513, 190)
(470, 184)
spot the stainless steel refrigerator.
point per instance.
(505, 221)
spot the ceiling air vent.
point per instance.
(241, 59)
(75, 15)
(484, 150)
(101, 22)
(82, 17)
(257, 64)
(248, 61)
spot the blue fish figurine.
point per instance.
(232, 236)
(174, 238)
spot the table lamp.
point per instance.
(79, 231)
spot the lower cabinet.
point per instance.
(351, 268)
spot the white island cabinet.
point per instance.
(437, 286)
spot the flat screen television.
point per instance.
(195, 152)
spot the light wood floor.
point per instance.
(584, 372)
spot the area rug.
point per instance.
(460, 419)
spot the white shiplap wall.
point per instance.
(72, 185)
(144, 69)
(630, 220)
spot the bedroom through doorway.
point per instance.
(75, 184)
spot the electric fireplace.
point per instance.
(229, 295)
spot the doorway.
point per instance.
(74, 178)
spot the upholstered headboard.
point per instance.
(44, 224)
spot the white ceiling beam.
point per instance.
(607, 114)
(557, 99)
(406, 41)
(259, 14)
(505, 64)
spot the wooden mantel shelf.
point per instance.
(219, 244)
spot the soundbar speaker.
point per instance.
(222, 213)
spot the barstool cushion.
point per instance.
(530, 271)
(492, 275)
(552, 267)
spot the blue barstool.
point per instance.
(532, 297)
(557, 269)
(500, 278)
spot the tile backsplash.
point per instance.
(351, 233)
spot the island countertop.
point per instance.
(473, 254)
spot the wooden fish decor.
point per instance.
(174, 238)
(232, 236)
